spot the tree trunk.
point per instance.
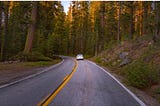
(1, 38)
(145, 9)
(141, 18)
(119, 15)
(102, 27)
(156, 35)
(32, 29)
(4, 30)
(131, 20)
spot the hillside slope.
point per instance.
(137, 63)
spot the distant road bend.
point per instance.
(71, 83)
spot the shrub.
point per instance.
(33, 56)
(157, 91)
(98, 60)
(141, 75)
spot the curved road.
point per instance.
(89, 86)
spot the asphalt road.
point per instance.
(89, 86)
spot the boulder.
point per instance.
(123, 55)
(124, 58)
(125, 62)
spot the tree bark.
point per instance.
(1, 38)
(156, 35)
(6, 10)
(145, 9)
(131, 19)
(102, 27)
(32, 29)
(4, 30)
(119, 15)
(141, 18)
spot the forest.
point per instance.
(38, 30)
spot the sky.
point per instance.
(65, 5)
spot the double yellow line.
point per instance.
(50, 97)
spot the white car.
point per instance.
(79, 57)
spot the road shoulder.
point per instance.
(11, 76)
(148, 100)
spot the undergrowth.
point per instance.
(140, 74)
(33, 56)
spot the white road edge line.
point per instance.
(133, 95)
(31, 76)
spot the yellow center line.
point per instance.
(49, 98)
(41, 102)
(65, 77)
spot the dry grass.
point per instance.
(15, 71)
(26, 65)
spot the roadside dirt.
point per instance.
(7, 76)
(143, 49)
(14, 73)
(147, 99)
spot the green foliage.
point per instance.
(27, 65)
(110, 44)
(157, 91)
(141, 75)
(17, 27)
(87, 56)
(50, 37)
(88, 28)
(98, 60)
(33, 56)
(40, 63)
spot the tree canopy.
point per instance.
(89, 27)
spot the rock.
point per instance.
(114, 63)
(11, 62)
(104, 60)
(125, 62)
(118, 60)
(17, 61)
(150, 43)
(123, 55)
(5, 62)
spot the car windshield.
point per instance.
(79, 55)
